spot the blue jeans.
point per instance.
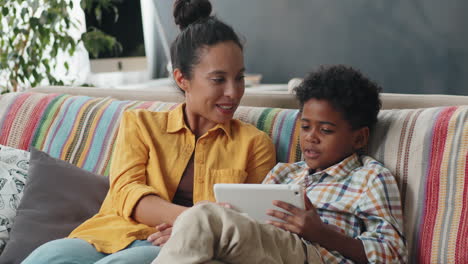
(77, 251)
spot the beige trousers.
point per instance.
(209, 233)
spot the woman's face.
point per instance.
(217, 84)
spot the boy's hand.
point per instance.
(306, 223)
(162, 236)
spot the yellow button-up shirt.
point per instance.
(151, 153)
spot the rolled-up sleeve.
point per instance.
(380, 209)
(128, 176)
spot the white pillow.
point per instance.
(293, 83)
(14, 164)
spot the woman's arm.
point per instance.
(132, 197)
(148, 211)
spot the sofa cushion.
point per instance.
(57, 198)
(427, 151)
(14, 164)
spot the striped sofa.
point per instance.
(424, 143)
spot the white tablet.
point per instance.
(256, 199)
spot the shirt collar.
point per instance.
(176, 122)
(343, 168)
(225, 127)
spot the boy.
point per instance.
(353, 210)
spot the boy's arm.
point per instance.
(307, 224)
(380, 210)
(349, 247)
(382, 215)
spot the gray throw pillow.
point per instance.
(57, 198)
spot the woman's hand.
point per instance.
(162, 236)
(306, 223)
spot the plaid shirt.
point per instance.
(360, 198)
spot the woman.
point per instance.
(164, 162)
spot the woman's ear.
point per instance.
(361, 138)
(179, 78)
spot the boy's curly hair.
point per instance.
(349, 92)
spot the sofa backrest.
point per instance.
(255, 97)
(426, 149)
(82, 129)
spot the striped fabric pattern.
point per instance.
(282, 125)
(82, 129)
(426, 149)
(78, 129)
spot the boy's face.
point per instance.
(325, 137)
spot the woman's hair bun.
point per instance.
(188, 11)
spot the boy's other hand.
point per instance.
(306, 223)
(162, 236)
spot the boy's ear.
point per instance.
(361, 138)
(179, 78)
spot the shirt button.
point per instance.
(201, 180)
(200, 161)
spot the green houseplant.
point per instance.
(34, 32)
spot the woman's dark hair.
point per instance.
(349, 92)
(198, 30)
